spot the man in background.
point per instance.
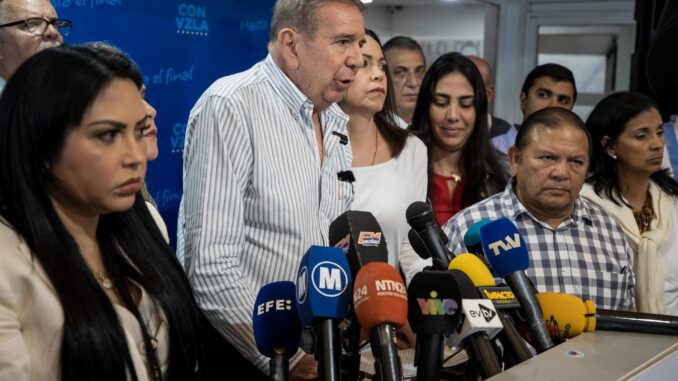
(407, 65)
(497, 126)
(547, 85)
(27, 27)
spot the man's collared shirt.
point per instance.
(2, 85)
(504, 141)
(587, 255)
(256, 194)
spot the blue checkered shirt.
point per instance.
(587, 255)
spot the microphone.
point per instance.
(568, 316)
(359, 236)
(420, 217)
(502, 298)
(505, 249)
(323, 296)
(343, 139)
(433, 304)
(472, 238)
(480, 324)
(380, 300)
(277, 328)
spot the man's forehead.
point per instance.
(558, 87)
(20, 8)
(404, 57)
(564, 139)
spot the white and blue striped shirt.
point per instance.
(256, 194)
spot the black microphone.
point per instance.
(434, 311)
(359, 236)
(343, 139)
(420, 217)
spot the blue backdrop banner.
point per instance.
(181, 48)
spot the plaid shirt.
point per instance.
(587, 255)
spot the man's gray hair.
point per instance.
(301, 15)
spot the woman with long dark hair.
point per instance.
(627, 180)
(89, 289)
(450, 118)
(389, 163)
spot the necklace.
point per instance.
(645, 215)
(104, 281)
(376, 144)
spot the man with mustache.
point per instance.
(26, 27)
(574, 246)
(262, 155)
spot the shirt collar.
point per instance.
(582, 210)
(291, 95)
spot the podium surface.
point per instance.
(602, 356)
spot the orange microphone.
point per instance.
(380, 303)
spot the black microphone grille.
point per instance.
(419, 214)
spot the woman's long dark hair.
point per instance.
(478, 161)
(609, 118)
(395, 136)
(44, 101)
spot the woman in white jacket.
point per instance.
(626, 179)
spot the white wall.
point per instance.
(439, 28)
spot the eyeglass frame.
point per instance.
(53, 22)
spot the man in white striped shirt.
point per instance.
(262, 153)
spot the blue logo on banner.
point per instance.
(86, 3)
(192, 19)
(329, 279)
(254, 25)
(178, 137)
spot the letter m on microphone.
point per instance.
(502, 240)
(323, 285)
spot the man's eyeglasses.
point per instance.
(38, 26)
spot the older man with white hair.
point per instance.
(27, 27)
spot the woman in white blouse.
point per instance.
(89, 289)
(389, 163)
(627, 179)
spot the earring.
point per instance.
(614, 157)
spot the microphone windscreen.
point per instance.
(379, 296)
(323, 285)
(433, 303)
(566, 315)
(275, 318)
(474, 268)
(359, 236)
(419, 215)
(472, 236)
(504, 247)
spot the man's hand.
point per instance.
(406, 338)
(306, 369)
